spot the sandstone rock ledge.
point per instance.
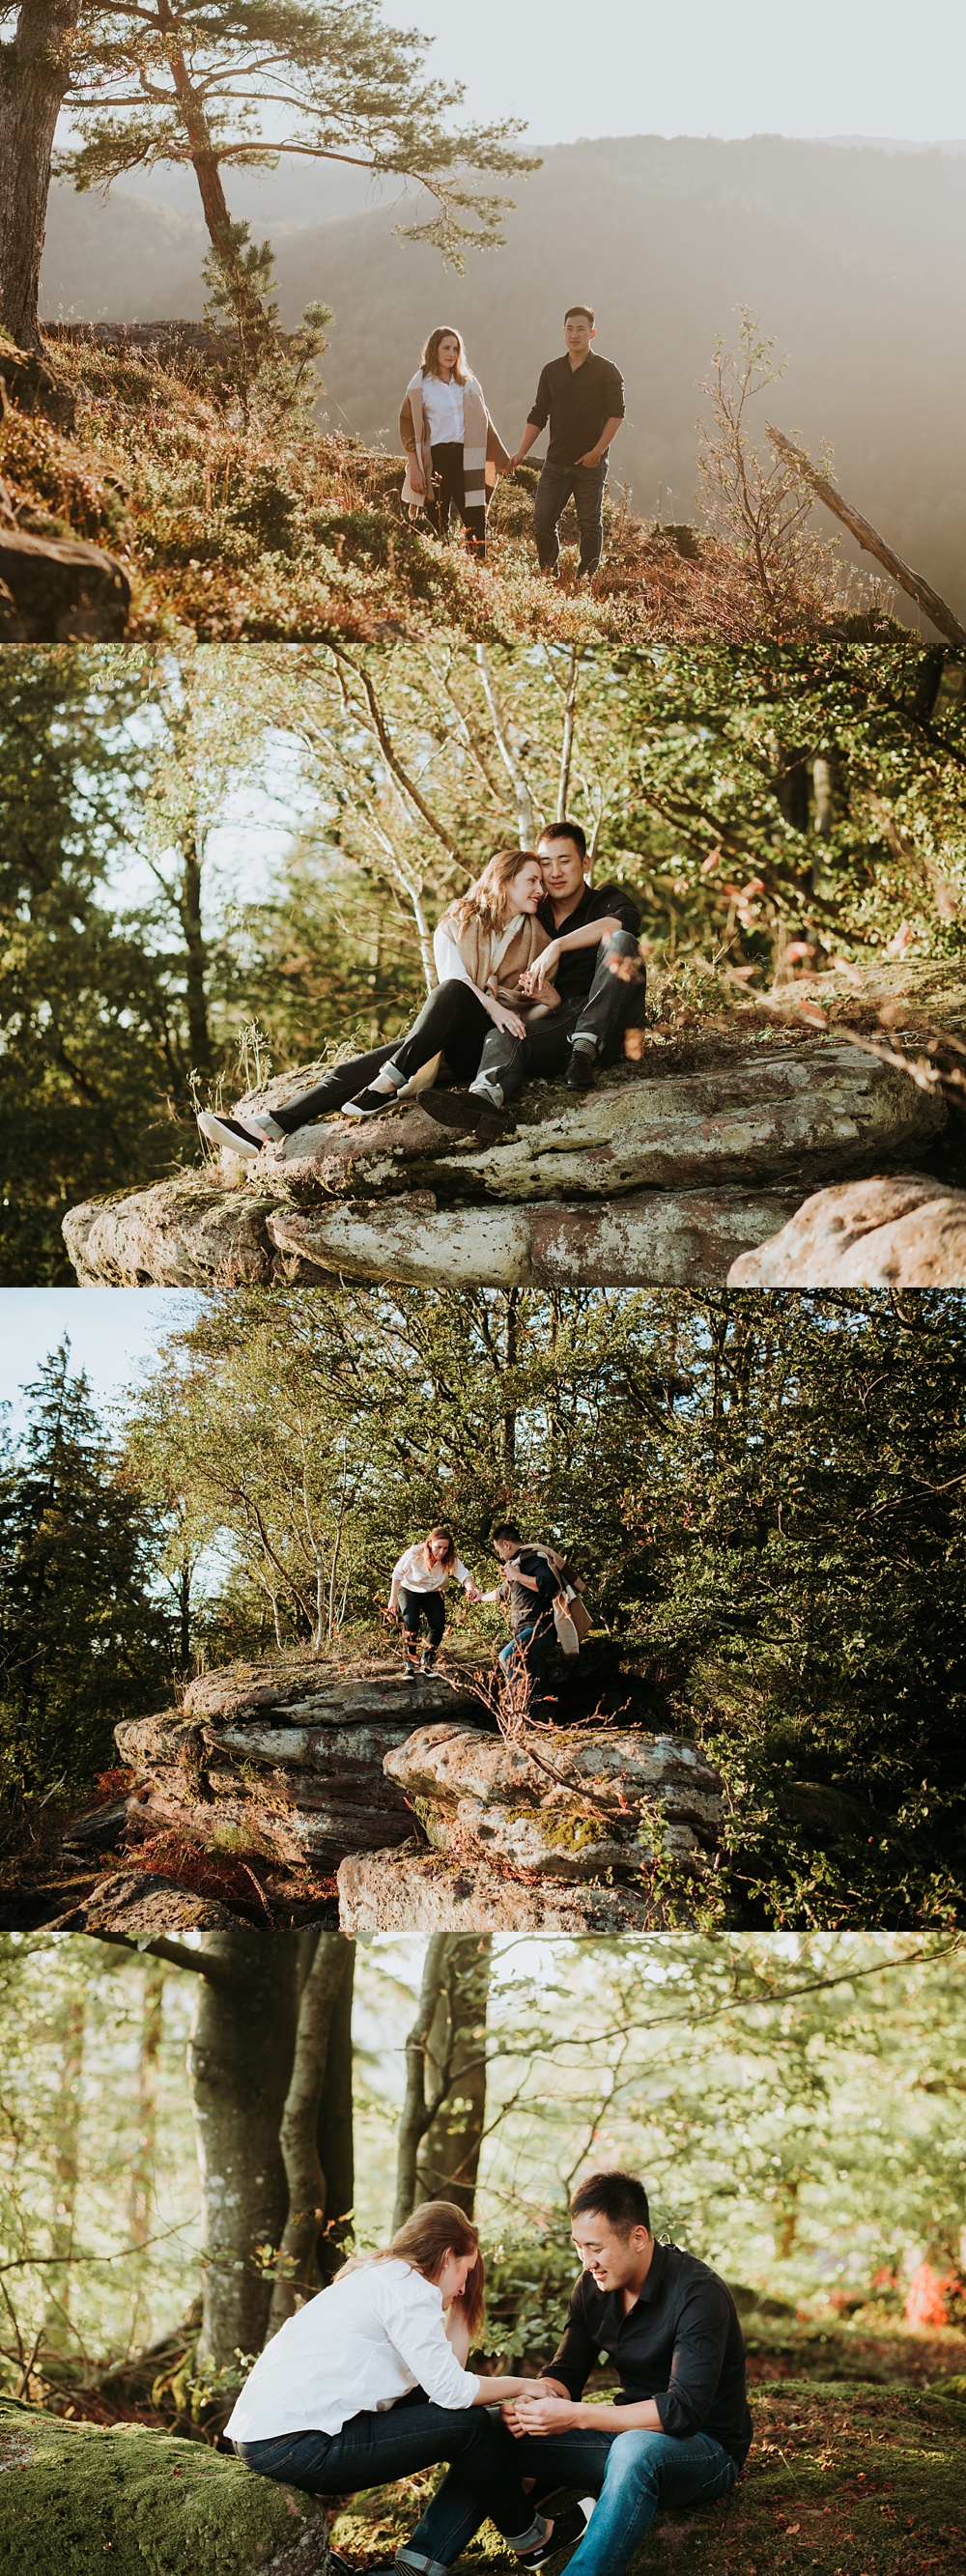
(420, 1891)
(900, 1231)
(647, 1180)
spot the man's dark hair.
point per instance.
(618, 2197)
(505, 1529)
(586, 309)
(566, 832)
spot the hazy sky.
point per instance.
(842, 67)
(112, 1332)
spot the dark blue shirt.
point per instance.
(680, 2344)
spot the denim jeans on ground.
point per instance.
(630, 2474)
(530, 1646)
(558, 484)
(374, 2449)
(415, 1606)
(611, 1007)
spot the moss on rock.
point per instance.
(142, 2503)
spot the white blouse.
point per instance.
(449, 963)
(443, 406)
(353, 2350)
(416, 1574)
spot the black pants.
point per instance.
(449, 495)
(611, 1007)
(414, 1606)
(451, 1021)
(584, 485)
(373, 2450)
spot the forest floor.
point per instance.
(848, 2475)
(239, 520)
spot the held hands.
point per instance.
(538, 2412)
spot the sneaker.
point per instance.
(239, 1134)
(370, 1104)
(410, 1671)
(428, 1662)
(580, 1070)
(475, 1113)
(568, 2530)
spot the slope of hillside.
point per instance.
(850, 256)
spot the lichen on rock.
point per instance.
(145, 2503)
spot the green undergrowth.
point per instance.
(844, 2479)
(243, 521)
(145, 2503)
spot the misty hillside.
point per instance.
(850, 256)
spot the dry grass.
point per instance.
(247, 524)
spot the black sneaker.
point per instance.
(580, 1070)
(428, 1664)
(568, 2529)
(410, 1671)
(469, 1113)
(370, 1104)
(238, 1136)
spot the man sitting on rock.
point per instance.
(595, 963)
(679, 2429)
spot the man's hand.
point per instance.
(542, 970)
(541, 2415)
(515, 461)
(595, 457)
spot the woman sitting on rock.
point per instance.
(416, 1592)
(453, 454)
(482, 947)
(367, 2383)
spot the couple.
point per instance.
(453, 453)
(540, 974)
(368, 2383)
(534, 1578)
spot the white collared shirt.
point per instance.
(353, 2350)
(443, 406)
(416, 1574)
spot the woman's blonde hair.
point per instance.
(439, 1530)
(424, 2240)
(430, 357)
(486, 900)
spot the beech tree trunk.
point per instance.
(240, 2063)
(441, 2128)
(302, 2133)
(34, 77)
(66, 2173)
(336, 2137)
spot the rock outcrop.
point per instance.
(61, 591)
(410, 1890)
(900, 1230)
(646, 1180)
(72, 2495)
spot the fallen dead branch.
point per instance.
(914, 584)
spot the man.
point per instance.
(533, 1586)
(582, 397)
(595, 962)
(679, 2430)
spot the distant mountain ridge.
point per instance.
(850, 255)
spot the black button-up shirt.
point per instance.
(680, 2344)
(578, 966)
(577, 401)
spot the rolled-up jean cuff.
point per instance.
(412, 2563)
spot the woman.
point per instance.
(482, 947)
(416, 1591)
(366, 2383)
(453, 454)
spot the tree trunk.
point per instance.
(442, 2120)
(207, 169)
(70, 2038)
(335, 2133)
(189, 907)
(141, 2175)
(301, 2135)
(239, 2063)
(33, 84)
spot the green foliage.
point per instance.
(146, 2499)
(83, 1640)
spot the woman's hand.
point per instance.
(536, 2413)
(504, 1019)
(416, 482)
(542, 970)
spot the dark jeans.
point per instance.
(449, 497)
(584, 484)
(610, 1008)
(374, 2449)
(630, 2473)
(430, 1606)
(451, 1021)
(528, 1649)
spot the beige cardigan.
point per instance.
(416, 441)
(476, 945)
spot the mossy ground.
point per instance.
(243, 522)
(845, 2479)
(78, 2496)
